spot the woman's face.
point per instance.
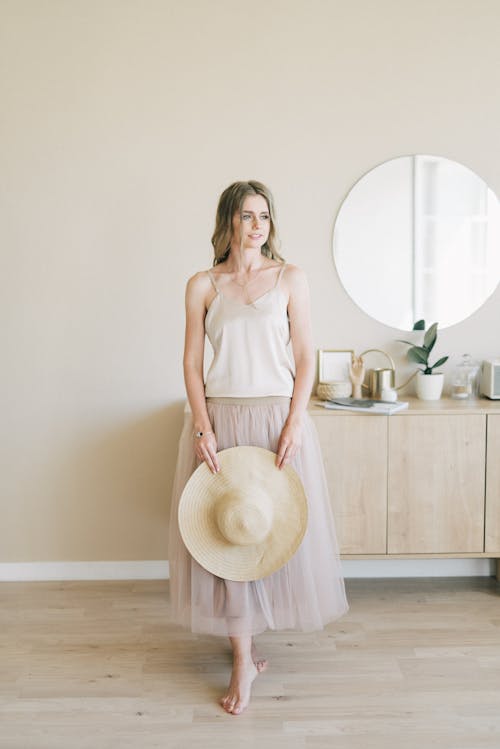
(251, 227)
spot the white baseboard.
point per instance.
(418, 567)
(158, 570)
(33, 571)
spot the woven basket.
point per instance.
(337, 389)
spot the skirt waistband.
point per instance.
(266, 400)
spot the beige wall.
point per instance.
(121, 123)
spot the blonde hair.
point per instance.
(231, 202)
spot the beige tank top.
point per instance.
(251, 343)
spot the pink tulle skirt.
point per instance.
(308, 591)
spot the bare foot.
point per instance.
(238, 693)
(260, 662)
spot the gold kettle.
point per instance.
(381, 378)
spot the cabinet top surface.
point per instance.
(417, 406)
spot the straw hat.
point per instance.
(247, 520)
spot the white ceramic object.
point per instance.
(429, 386)
(389, 395)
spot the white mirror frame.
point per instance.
(418, 237)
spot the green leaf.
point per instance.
(439, 362)
(410, 343)
(419, 325)
(417, 354)
(430, 337)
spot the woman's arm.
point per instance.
(194, 344)
(299, 313)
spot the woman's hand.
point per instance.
(206, 449)
(289, 442)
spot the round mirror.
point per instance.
(418, 237)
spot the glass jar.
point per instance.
(464, 381)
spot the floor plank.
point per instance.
(414, 663)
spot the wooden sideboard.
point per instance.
(420, 483)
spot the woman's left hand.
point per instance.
(289, 442)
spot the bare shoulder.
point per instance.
(199, 283)
(198, 290)
(199, 280)
(294, 272)
(295, 278)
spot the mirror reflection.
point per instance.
(419, 237)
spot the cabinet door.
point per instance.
(492, 536)
(436, 483)
(354, 450)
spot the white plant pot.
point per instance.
(429, 386)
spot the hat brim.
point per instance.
(200, 533)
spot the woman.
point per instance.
(253, 307)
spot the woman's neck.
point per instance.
(245, 261)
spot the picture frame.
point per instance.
(334, 364)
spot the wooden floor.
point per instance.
(414, 664)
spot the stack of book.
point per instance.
(365, 405)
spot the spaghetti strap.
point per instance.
(213, 281)
(279, 275)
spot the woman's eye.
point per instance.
(248, 217)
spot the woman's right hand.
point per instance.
(206, 449)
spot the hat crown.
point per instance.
(244, 516)
(246, 521)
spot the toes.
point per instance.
(238, 708)
(228, 703)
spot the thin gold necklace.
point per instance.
(255, 272)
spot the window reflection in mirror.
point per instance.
(419, 237)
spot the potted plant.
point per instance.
(429, 383)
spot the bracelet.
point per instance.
(201, 434)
